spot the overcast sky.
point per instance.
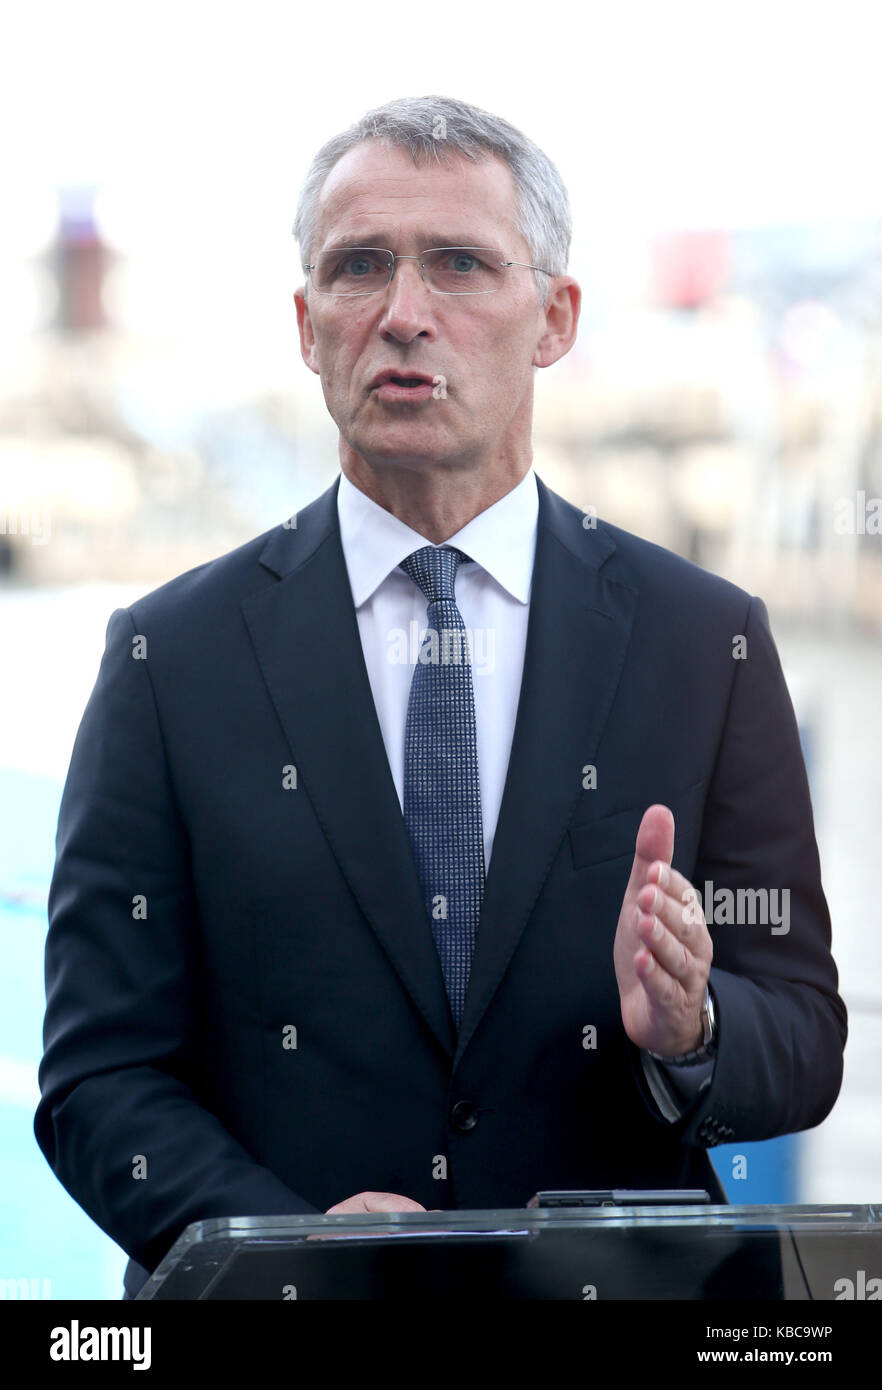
(708, 112)
(197, 122)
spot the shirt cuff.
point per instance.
(674, 1088)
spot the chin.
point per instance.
(399, 446)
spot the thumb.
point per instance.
(655, 840)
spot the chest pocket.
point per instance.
(612, 837)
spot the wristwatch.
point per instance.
(708, 1046)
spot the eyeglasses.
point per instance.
(357, 270)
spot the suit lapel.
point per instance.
(305, 634)
(577, 637)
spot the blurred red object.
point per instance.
(690, 268)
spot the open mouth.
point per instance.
(404, 388)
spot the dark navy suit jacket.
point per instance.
(172, 1088)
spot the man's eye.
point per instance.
(352, 265)
(462, 261)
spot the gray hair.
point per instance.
(433, 126)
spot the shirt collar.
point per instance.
(501, 539)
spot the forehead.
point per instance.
(376, 189)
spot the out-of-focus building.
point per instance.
(734, 413)
(731, 409)
(92, 484)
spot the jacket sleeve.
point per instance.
(781, 1023)
(674, 1089)
(118, 1120)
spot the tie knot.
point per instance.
(434, 570)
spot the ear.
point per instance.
(559, 321)
(307, 336)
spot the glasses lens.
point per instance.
(352, 270)
(464, 269)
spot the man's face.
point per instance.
(483, 346)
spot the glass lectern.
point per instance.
(702, 1252)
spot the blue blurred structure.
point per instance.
(771, 1168)
(44, 1235)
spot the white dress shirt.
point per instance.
(493, 596)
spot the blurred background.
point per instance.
(724, 398)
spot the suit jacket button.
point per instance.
(463, 1116)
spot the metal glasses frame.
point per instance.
(355, 294)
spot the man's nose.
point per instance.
(408, 298)
(406, 270)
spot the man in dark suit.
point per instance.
(339, 923)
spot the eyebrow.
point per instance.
(426, 241)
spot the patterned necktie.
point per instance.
(442, 797)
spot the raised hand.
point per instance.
(663, 949)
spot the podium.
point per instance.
(770, 1253)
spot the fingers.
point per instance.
(677, 888)
(674, 901)
(664, 990)
(392, 1201)
(663, 939)
(670, 923)
(670, 963)
(375, 1201)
